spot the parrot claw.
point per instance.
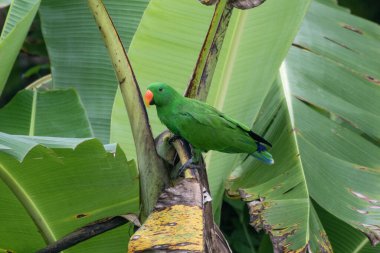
(188, 165)
(173, 139)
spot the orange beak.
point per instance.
(148, 97)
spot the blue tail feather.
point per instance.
(262, 154)
(260, 147)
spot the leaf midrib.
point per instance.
(28, 203)
(33, 114)
(286, 89)
(360, 246)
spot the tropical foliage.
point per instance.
(305, 74)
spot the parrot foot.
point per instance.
(174, 138)
(188, 165)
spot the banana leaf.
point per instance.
(45, 113)
(14, 31)
(316, 116)
(51, 186)
(78, 56)
(343, 237)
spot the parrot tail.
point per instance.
(263, 155)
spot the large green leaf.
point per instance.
(52, 186)
(353, 43)
(341, 157)
(322, 117)
(247, 67)
(50, 113)
(278, 195)
(19, 19)
(78, 56)
(343, 237)
(165, 48)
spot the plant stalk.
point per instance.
(204, 70)
(153, 175)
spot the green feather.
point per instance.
(204, 127)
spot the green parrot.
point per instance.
(203, 126)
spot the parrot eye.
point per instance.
(160, 89)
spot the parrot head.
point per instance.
(159, 94)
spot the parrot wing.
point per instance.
(209, 116)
